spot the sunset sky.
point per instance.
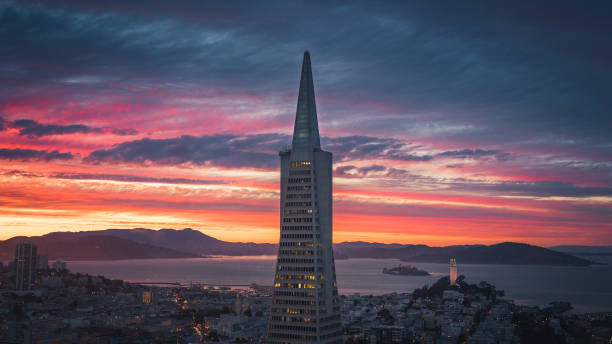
(453, 124)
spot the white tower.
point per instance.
(305, 305)
(453, 271)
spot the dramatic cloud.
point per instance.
(376, 171)
(261, 151)
(28, 127)
(542, 189)
(30, 154)
(140, 179)
(372, 168)
(363, 147)
(475, 154)
(21, 173)
(342, 170)
(466, 77)
(498, 115)
(32, 128)
(504, 188)
(222, 150)
(124, 132)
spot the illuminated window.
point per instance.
(299, 180)
(300, 164)
(298, 211)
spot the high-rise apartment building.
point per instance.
(43, 262)
(305, 303)
(59, 265)
(25, 265)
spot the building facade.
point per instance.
(453, 271)
(305, 303)
(59, 265)
(43, 262)
(25, 265)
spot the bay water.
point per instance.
(589, 289)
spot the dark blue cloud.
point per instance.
(363, 147)
(130, 178)
(31, 154)
(371, 168)
(341, 171)
(220, 150)
(550, 188)
(531, 75)
(115, 177)
(28, 127)
(541, 189)
(260, 151)
(124, 132)
(475, 154)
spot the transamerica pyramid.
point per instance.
(305, 304)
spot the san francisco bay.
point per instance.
(589, 289)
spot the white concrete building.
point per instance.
(305, 303)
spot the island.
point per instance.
(406, 270)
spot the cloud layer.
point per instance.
(220, 150)
(31, 128)
(31, 154)
(449, 123)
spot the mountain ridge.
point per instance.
(140, 243)
(583, 250)
(91, 247)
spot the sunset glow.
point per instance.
(167, 124)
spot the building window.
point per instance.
(300, 180)
(300, 164)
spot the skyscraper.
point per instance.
(305, 304)
(25, 265)
(43, 262)
(453, 271)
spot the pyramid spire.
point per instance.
(306, 130)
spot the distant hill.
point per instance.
(72, 246)
(134, 243)
(192, 241)
(584, 250)
(140, 243)
(503, 253)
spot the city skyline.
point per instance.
(444, 131)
